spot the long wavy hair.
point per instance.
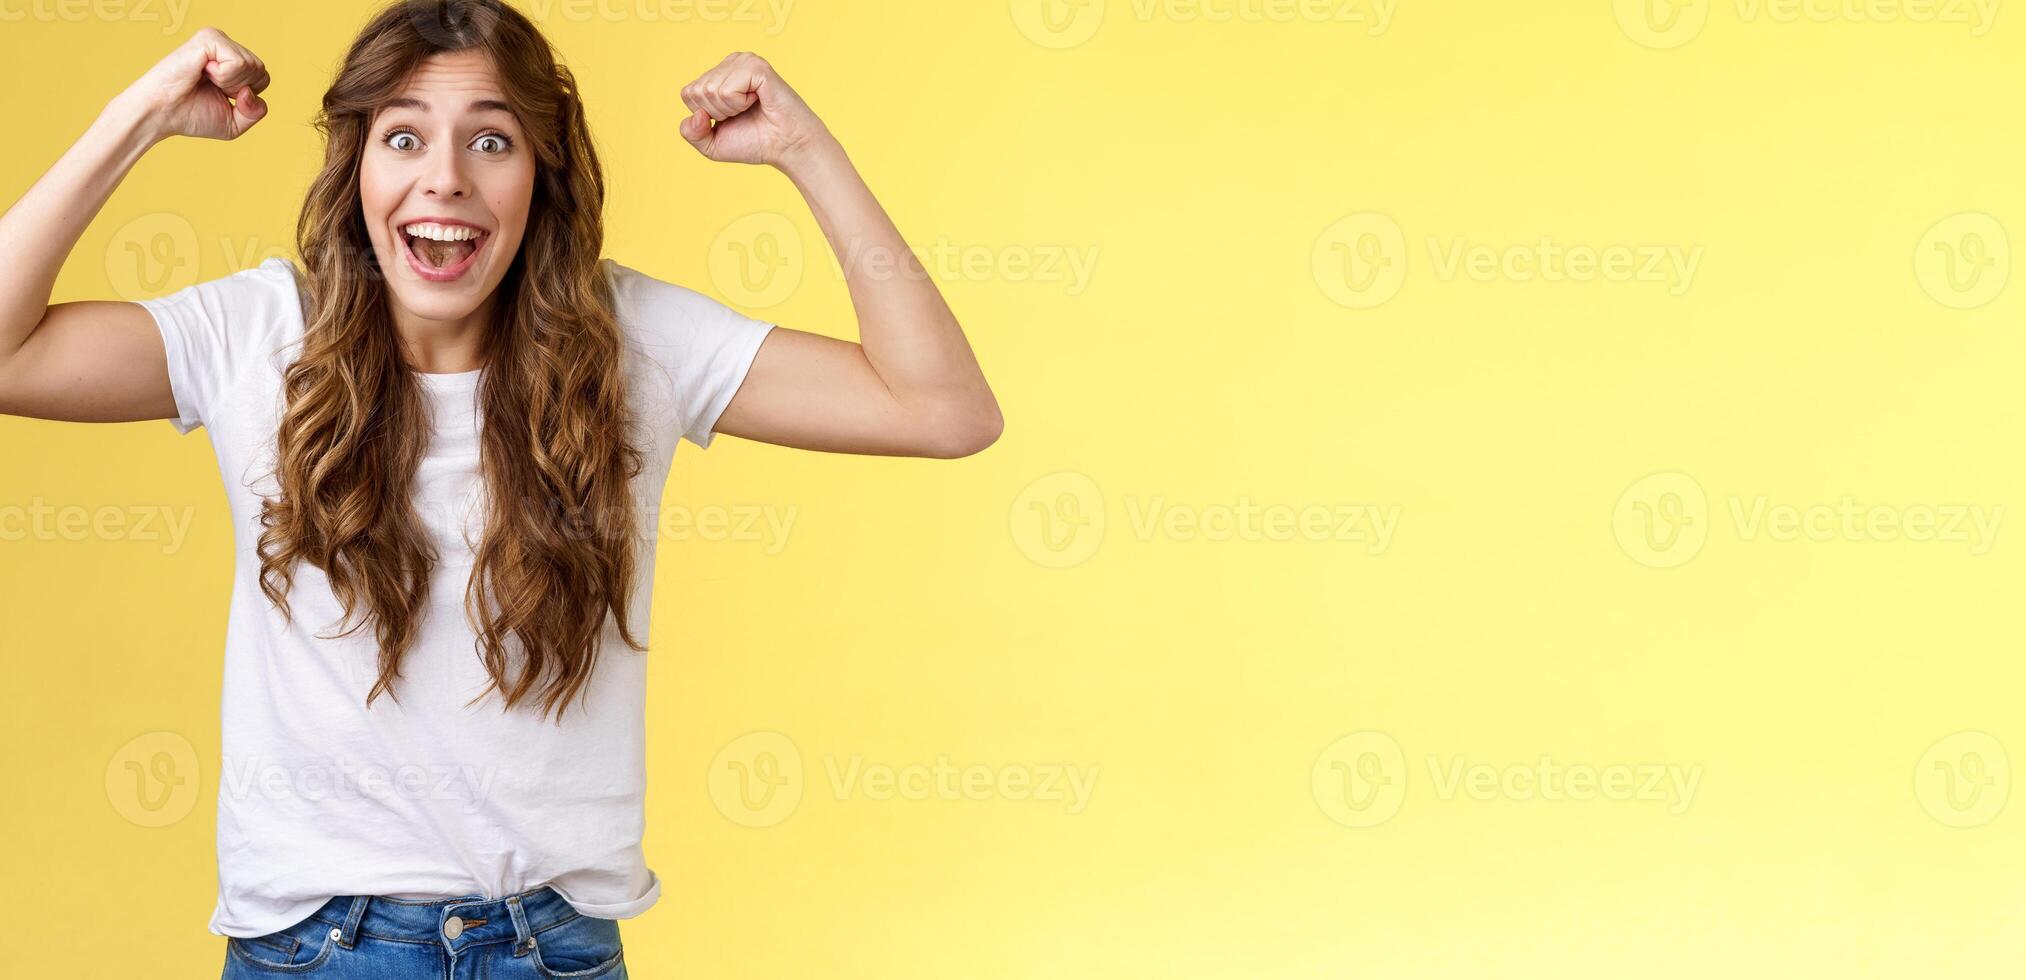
(557, 552)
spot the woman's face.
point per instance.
(445, 182)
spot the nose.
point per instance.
(445, 177)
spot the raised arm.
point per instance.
(910, 386)
(102, 361)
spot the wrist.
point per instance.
(807, 156)
(134, 124)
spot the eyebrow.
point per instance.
(482, 105)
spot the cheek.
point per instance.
(510, 198)
(377, 201)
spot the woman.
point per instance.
(443, 438)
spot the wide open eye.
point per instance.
(402, 139)
(492, 143)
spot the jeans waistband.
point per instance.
(478, 920)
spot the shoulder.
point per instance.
(275, 281)
(691, 350)
(226, 340)
(652, 309)
(261, 302)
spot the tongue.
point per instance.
(442, 255)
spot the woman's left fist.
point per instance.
(758, 118)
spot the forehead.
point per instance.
(449, 84)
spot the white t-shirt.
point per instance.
(425, 797)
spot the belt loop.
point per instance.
(349, 935)
(524, 939)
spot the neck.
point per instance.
(444, 346)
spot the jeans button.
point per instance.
(453, 928)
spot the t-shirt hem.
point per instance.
(746, 351)
(175, 349)
(301, 910)
(281, 920)
(616, 910)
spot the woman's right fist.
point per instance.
(209, 87)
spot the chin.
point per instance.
(433, 303)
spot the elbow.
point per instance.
(968, 433)
(10, 404)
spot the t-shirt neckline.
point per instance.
(457, 381)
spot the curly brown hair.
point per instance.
(555, 453)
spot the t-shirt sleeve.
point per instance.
(213, 331)
(701, 349)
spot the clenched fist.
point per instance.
(742, 112)
(209, 87)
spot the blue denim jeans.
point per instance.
(534, 934)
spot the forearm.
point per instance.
(38, 233)
(909, 335)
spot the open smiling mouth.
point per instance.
(442, 252)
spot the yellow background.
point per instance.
(912, 612)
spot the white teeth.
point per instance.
(441, 233)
